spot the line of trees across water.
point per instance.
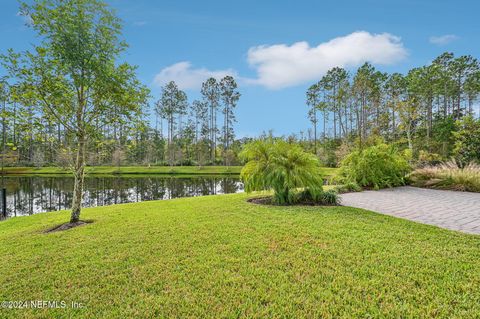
(182, 133)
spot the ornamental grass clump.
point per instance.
(284, 168)
(448, 176)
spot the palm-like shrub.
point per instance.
(377, 166)
(285, 168)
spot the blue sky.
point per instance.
(276, 49)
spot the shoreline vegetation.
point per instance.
(129, 170)
(228, 255)
(328, 172)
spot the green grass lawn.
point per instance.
(219, 256)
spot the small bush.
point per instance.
(448, 176)
(327, 198)
(187, 162)
(348, 187)
(160, 163)
(377, 166)
(467, 140)
(427, 158)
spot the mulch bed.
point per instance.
(68, 225)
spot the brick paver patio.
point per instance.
(448, 209)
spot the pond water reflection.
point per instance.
(28, 195)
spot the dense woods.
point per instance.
(431, 110)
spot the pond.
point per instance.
(27, 195)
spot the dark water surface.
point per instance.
(28, 195)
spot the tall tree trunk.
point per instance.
(212, 145)
(429, 119)
(334, 112)
(30, 140)
(225, 127)
(170, 141)
(4, 141)
(315, 131)
(363, 121)
(358, 125)
(470, 105)
(409, 133)
(324, 125)
(394, 127)
(79, 172)
(445, 103)
(214, 135)
(341, 129)
(14, 135)
(459, 95)
(334, 124)
(345, 108)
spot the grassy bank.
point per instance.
(219, 256)
(144, 170)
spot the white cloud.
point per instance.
(26, 18)
(281, 65)
(188, 77)
(443, 39)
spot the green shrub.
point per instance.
(283, 167)
(377, 166)
(327, 153)
(348, 187)
(427, 158)
(467, 140)
(328, 198)
(448, 176)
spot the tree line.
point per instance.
(193, 133)
(194, 127)
(418, 110)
